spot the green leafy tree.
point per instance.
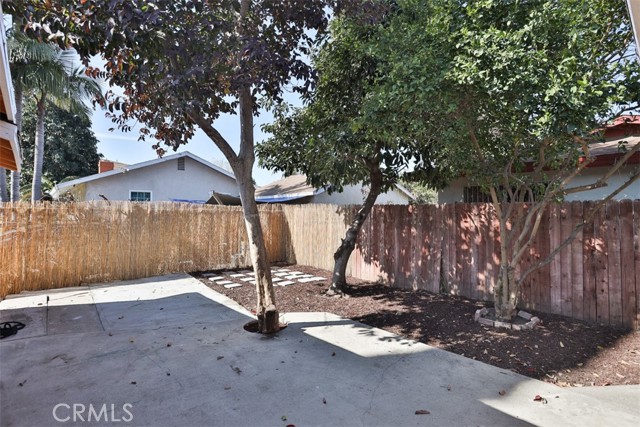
(523, 86)
(71, 148)
(329, 140)
(424, 194)
(182, 64)
(45, 73)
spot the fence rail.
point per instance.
(451, 248)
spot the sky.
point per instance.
(125, 147)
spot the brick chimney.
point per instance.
(105, 166)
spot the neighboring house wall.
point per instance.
(455, 191)
(354, 195)
(163, 180)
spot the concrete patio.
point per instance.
(169, 351)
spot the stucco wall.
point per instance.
(353, 195)
(454, 192)
(165, 182)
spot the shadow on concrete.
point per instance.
(175, 353)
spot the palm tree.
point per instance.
(46, 72)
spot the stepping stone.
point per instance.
(280, 273)
(209, 274)
(247, 279)
(304, 276)
(232, 285)
(308, 279)
(225, 282)
(236, 275)
(216, 278)
(294, 276)
(284, 269)
(286, 283)
(296, 273)
(319, 279)
(276, 279)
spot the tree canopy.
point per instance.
(71, 148)
(519, 87)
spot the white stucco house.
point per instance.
(294, 189)
(624, 128)
(181, 177)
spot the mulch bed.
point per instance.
(561, 350)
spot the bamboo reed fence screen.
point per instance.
(56, 245)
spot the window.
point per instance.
(475, 194)
(181, 164)
(140, 196)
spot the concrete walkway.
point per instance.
(168, 351)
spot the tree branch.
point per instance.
(215, 136)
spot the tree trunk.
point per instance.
(15, 186)
(266, 311)
(505, 292)
(342, 255)
(38, 154)
(15, 175)
(4, 197)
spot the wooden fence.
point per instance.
(448, 248)
(454, 248)
(55, 245)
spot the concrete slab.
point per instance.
(173, 353)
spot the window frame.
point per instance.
(140, 191)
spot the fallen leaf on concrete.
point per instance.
(134, 382)
(227, 388)
(220, 357)
(283, 418)
(333, 354)
(422, 412)
(168, 344)
(502, 392)
(449, 387)
(324, 400)
(539, 398)
(236, 369)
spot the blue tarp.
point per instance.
(199, 202)
(280, 198)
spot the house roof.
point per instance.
(10, 157)
(607, 153)
(296, 187)
(60, 188)
(290, 188)
(625, 119)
